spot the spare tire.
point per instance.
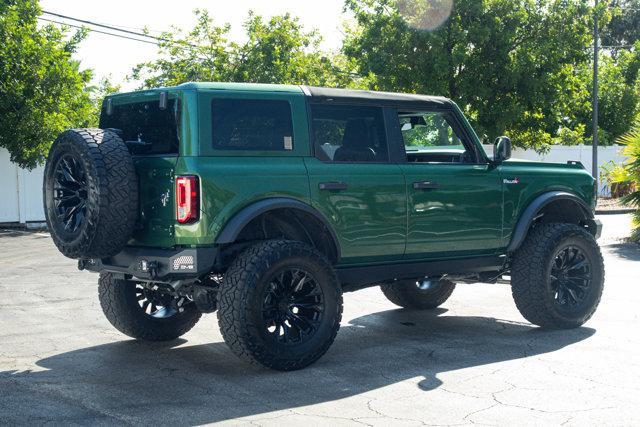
(90, 193)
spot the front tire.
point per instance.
(408, 293)
(557, 276)
(280, 305)
(143, 313)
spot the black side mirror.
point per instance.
(501, 149)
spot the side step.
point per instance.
(353, 278)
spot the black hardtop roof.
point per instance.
(324, 93)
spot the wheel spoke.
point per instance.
(579, 265)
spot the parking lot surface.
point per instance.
(473, 361)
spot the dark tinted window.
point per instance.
(349, 133)
(145, 127)
(240, 124)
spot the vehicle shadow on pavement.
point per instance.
(132, 382)
(628, 251)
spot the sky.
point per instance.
(115, 57)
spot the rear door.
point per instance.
(354, 183)
(152, 134)
(454, 195)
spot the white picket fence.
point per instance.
(21, 190)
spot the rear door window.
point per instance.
(145, 127)
(258, 125)
(351, 134)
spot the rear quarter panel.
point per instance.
(228, 184)
(233, 179)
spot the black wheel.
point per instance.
(557, 276)
(145, 312)
(418, 294)
(90, 193)
(280, 305)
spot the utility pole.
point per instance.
(594, 168)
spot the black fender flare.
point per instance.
(530, 213)
(236, 224)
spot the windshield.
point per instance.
(145, 127)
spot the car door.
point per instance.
(354, 183)
(454, 195)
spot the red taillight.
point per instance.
(187, 199)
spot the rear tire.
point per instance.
(407, 294)
(557, 276)
(90, 193)
(280, 305)
(121, 306)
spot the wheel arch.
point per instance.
(316, 222)
(553, 206)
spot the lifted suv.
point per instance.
(267, 202)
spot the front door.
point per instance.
(454, 195)
(354, 184)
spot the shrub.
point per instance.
(630, 171)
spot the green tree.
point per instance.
(42, 89)
(277, 50)
(510, 64)
(618, 94)
(624, 28)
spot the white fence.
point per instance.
(21, 190)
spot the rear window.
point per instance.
(145, 127)
(261, 125)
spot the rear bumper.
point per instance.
(160, 265)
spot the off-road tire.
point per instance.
(240, 304)
(531, 276)
(119, 305)
(111, 193)
(406, 294)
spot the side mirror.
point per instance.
(501, 149)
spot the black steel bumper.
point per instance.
(161, 265)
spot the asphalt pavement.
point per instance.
(475, 360)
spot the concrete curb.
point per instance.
(615, 211)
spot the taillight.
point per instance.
(187, 199)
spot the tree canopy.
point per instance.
(516, 67)
(43, 91)
(277, 50)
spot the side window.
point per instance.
(240, 124)
(430, 138)
(350, 134)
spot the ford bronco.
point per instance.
(267, 202)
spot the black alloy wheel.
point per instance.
(293, 306)
(70, 193)
(570, 276)
(158, 303)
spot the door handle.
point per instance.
(333, 186)
(425, 185)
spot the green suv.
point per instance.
(267, 202)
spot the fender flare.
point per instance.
(529, 215)
(240, 219)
